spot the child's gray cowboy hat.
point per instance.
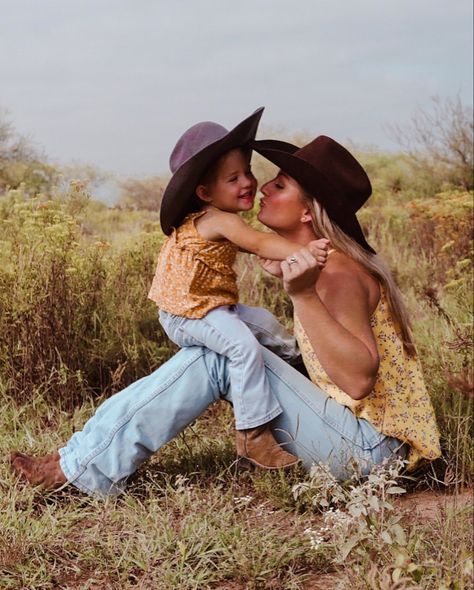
(195, 151)
(329, 173)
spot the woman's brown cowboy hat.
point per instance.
(330, 174)
(195, 151)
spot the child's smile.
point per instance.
(248, 198)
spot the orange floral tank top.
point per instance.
(399, 404)
(194, 275)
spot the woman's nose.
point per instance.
(263, 188)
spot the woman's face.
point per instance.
(281, 206)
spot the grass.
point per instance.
(188, 520)
(192, 517)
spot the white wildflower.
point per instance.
(242, 500)
(316, 539)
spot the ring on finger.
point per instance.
(292, 259)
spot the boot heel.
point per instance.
(244, 464)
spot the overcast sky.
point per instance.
(115, 82)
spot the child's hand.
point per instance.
(273, 267)
(319, 249)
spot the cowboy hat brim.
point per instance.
(181, 187)
(317, 183)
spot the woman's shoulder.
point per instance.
(344, 273)
(340, 265)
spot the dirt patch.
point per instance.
(428, 505)
(323, 582)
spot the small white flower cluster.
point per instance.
(316, 538)
(263, 509)
(242, 500)
(181, 483)
(336, 524)
(356, 512)
(336, 518)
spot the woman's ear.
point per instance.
(201, 192)
(306, 216)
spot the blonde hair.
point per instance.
(326, 228)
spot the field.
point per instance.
(76, 327)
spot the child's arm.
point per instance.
(233, 228)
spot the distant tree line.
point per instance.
(438, 143)
(142, 193)
(439, 140)
(21, 162)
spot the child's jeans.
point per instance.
(238, 332)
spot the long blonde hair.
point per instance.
(326, 228)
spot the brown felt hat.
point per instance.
(195, 151)
(330, 173)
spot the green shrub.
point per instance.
(74, 316)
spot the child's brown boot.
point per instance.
(258, 446)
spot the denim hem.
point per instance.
(73, 479)
(259, 421)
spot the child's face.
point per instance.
(233, 187)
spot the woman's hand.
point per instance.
(301, 270)
(273, 267)
(300, 273)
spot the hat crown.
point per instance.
(341, 168)
(194, 140)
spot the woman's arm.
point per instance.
(336, 319)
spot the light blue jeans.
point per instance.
(235, 331)
(133, 424)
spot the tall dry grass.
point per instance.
(74, 318)
(75, 323)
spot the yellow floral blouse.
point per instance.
(399, 404)
(194, 275)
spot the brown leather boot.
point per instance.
(44, 471)
(258, 446)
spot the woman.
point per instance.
(367, 401)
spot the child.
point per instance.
(195, 285)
